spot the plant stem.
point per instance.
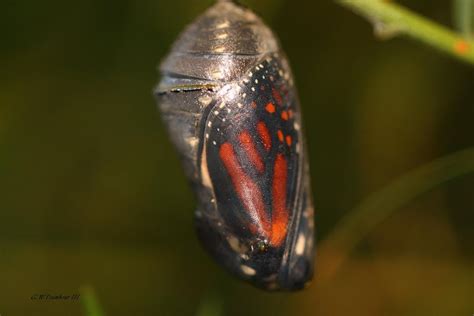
(394, 19)
(90, 302)
(463, 14)
(361, 220)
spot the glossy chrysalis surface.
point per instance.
(228, 99)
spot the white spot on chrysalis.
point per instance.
(234, 243)
(223, 25)
(205, 178)
(217, 75)
(205, 100)
(222, 36)
(299, 249)
(248, 270)
(192, 141)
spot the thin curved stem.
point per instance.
(463, 15)
(90, 302)
(378, 206)
(392, 19)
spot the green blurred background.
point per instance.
(92, 193)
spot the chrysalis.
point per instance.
(228, 99)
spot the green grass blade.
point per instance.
(381, 204)
(211, 305)
(90, 302)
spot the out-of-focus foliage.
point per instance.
(91, 191)
(90, 302)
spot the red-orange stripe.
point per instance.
(277, 97)
(280, 135)
(280, 213)
(270, 108)
(247, 190)
(248, 145)
(264, 134)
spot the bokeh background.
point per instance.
(92, 193)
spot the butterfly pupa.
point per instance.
(230, 105)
